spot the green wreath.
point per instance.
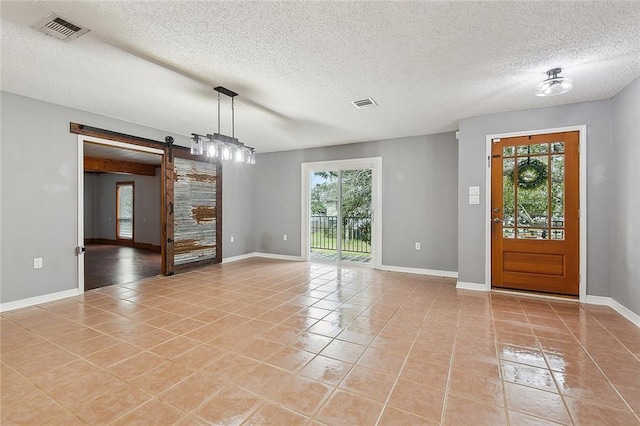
(532, 173)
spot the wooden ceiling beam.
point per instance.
(105, 165)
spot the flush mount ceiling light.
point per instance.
(217, 145)
(554, 85)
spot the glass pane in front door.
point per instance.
(533, 191)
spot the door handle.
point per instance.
(497, 220)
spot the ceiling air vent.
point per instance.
(59, 28)
(364, 103)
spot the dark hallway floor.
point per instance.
(108, 265)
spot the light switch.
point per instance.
(474, 190)
(37, 263)
(474, 199)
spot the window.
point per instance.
(124, 210)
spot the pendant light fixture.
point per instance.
(554, 85)
(217, 145)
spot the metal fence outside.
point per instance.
(356, 233)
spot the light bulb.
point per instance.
(239, 155)
(196, 145)
(212, 149)
(226, 152)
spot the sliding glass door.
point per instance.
(341, 215)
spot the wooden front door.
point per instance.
(535, 213)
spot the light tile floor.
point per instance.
(285, 343)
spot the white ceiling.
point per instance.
(297, 66)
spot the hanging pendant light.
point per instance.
(227, 148)
(554, 85)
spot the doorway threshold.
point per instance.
(536, 295)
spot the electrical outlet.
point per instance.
(417, 246)
(37, 263)
(231, 239)
(284, 237)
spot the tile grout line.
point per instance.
(404, 362)
(500, 373)
(337, 386)
(289, 287)
(597, 364)
(548, 366)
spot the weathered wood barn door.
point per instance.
(193, 210)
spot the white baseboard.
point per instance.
(598, 300)
(24, 303)
(239, 257)
(278, 256)
(471, 286)
(419, 271)
(616, 306)
(263, 255)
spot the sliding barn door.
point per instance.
(193, 211)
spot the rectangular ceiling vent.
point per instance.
(364, 103)
(59, 28)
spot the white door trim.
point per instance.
(583, 200)
(375, 164)
(81, 140)
(80, 241)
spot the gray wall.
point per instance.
(625, 229)
(89, 205)
(425, 181)
(237, 209)
(472, 166)
(102, 206)
(39, 174)
(419, 185)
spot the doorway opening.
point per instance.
(121, 208)
(341, 219)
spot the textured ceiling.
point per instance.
(297, 66)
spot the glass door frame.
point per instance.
(372, 163)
